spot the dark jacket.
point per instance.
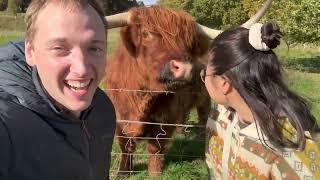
(41, 142)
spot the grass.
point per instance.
(301, 70)
(6, 36)
(303, 59)
(12, 23)
(308, 86)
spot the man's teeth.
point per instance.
(77, 84)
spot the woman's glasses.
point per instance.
(203, 75)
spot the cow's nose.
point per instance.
(180, 69)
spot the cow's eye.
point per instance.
(145, 34)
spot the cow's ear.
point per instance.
(129, 36)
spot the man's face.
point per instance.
(68, 50)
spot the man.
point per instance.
(54, 121)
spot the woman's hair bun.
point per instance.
(271, 34)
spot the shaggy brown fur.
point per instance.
(167, 23)
(154, 37)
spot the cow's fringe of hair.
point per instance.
(176, 27)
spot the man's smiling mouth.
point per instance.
(77, 85)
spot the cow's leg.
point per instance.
(203, 109)
(127, 146)
(184, 118)
(156, 158)
(156, 148)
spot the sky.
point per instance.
(149, 2)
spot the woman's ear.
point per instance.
(226, 85)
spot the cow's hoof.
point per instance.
(154, 173)
(122, 175)
(180, 130)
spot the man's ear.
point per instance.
(28, 50)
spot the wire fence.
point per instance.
(179, 152)
(149, 91)
(184, 145)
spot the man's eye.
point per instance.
(60, 50)
(96, 50)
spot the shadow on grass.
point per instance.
(188, 146)
(311, 65)
(140, 167)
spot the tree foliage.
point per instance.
(109, 6)
(305, 23)
(12, 6)
(115, 6)
(178, 4)
(298, 19)
(213, 13)
(3, 5)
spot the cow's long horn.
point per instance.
(213, 33)
(117, 20)
(258, 15)
(208, 32)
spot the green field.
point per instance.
(302, 70)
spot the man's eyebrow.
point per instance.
(64, 40)
(57, 40)
(98, 42)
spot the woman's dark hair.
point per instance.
(257, 76)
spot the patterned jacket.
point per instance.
(234, 151)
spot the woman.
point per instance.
(260, 129)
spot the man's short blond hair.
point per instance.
(37, 5)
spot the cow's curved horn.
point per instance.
(255, 18)
(208, 32)
(117, 20)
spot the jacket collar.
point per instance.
(251, 130)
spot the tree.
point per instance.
(298, 19)
(212, 13)
(109, 6)
(12, 7)
(16, 6)
(23, 5)
(3, 5)
(115, 6)
(304, 26)
(186, 5)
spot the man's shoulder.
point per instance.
(14, 114)
(10, 106)
(100, 99)
(13, 50)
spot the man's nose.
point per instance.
(79, 63)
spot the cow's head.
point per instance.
(166, 44)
